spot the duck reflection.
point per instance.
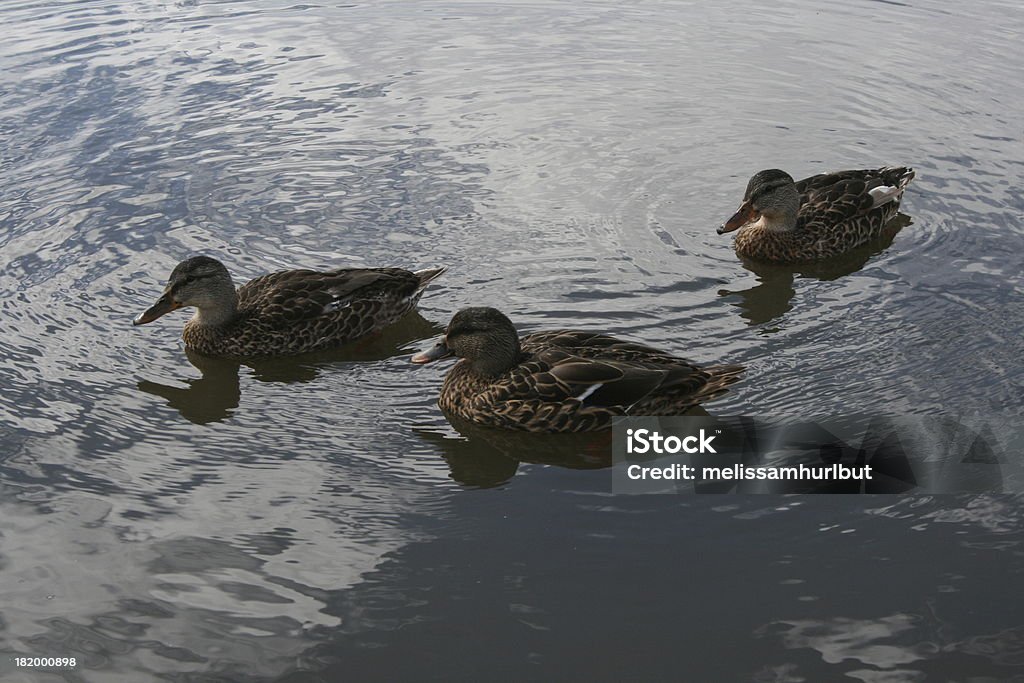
(773, 296)
(485, 456)
(214, 396)
(210, 398)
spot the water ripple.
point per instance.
(570, 166)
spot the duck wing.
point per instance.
(834, 198)
(290, 296)
(599, 371)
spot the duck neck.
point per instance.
(500, 359)
(782, 221)
(780, 215)
(217, 314)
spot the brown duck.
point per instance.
(287, 312)
(563, 380)
(784, 221)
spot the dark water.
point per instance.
(317, 519)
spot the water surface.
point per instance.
(168, 517)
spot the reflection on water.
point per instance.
(215, 395)
(210, 398)
(897, 647)
(483, 456)
(471, 463)
(773, 296)
(291, 519)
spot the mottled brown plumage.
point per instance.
(288, 312)
(783, 221)
(563, 380)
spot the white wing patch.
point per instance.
(588, 391)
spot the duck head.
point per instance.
(202, 282)
(771, 196)
(484, 337)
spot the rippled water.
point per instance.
(317, 518)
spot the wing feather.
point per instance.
(835, 198)
(598, 370)
(301, 295)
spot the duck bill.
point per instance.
(743, 215)
(163, 306)
(439, 351)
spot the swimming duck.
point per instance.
(287, 312)
(784, 221)
(562, 380)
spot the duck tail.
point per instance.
(428, 274)
(895, 180)
(899, 176)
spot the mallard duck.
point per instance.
(784, 221)
(287, 312)
(563, 380)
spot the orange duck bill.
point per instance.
(163, 305)
(743, 215)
